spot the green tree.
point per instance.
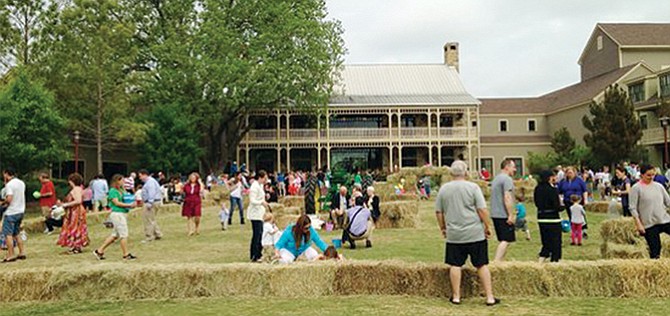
(563, 145)
(614, 130)
(31, 129)
(172, 140)
(90, 70)
(229, 58)
(22, 23)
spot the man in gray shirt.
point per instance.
(648, 201)
(502, 207)
(461, 214)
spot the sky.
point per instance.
(508, 48)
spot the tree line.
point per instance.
(174, 79)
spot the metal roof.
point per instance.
(401, 84)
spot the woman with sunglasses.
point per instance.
(297, 240)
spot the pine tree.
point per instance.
(614, 129)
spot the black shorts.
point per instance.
(504, 231)
(458, 253)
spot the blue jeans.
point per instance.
(236, 201)
(12, 225)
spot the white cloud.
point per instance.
(508, 48)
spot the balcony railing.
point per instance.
(652, 136)
(363, 134)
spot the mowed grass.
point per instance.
(352, 305)
(421, 244)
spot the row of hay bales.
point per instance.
(116, 281)
(394, 214)
(36, 225)
(442, 175)
(621, 240)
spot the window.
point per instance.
(486, 163)
(474, 123)
(665, 85)
(502, 125)
(644, 122)
(66, 168)
(518, 162)
(636, 92)
(532, 125)
(599, 41)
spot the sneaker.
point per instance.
(47, 231)
(352, 245)
(129, 257)
(98, 255)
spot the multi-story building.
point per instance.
(380, 117)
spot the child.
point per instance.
(224, 214)
(271, 235)
(521, 223)
(138, 194)
(331, 254)
(577, 219)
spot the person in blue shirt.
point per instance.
(573, 185)
(297, 240)
(521, 223)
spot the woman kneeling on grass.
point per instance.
(297, 240)
(118, 217)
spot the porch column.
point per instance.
(391, 158)
(318, 157)
(439, 154)
(278, 159)
(430, 154)
(288, 159)
(328, 155)
(399, 157)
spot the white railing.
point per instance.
(365, 134)
(652, 135)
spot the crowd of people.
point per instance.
(461, 209)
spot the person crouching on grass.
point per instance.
(118, 217)
(462, 216)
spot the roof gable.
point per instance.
(638, 34)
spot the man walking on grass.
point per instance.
(461, 214)
(502, 207)
(15, 200)
(153, 200)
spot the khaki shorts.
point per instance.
(120, 221)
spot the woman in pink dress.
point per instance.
(192, 207)
(74, 233)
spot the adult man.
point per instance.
(502, 207)
(462, 217)
(152, 197)
(648, 203)
(129, 183)
(255, 212)
(359, 224)
(99, 188)
(338, 206)
(15, 200)
(47, 197)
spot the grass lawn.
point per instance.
(423, 244)
(352, 305)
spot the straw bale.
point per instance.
(284, 220)
(620, 231)
(598, 207)
(293, 201)
(277, 209)
(118, 281)
(610, 250)
(484, 185)
(398, 214)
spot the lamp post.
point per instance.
(76, 151)
(665, 121)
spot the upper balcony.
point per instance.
(348, 135)
(652, 136)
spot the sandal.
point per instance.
(99, 256)
(129, 257)
(452, 301)
(8, 260)
(496, 301)
(21, 257)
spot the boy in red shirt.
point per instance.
(47, 195)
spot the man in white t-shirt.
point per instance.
(15, 200)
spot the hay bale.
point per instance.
(293, 201)
(277, 208)
(398, 214)
(597, 207)
(610, 250)
(484, 185)
(620, 231)
(283, 221)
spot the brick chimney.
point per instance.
(451, 55)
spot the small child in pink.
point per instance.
(577, 220)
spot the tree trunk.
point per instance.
(98, 130)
